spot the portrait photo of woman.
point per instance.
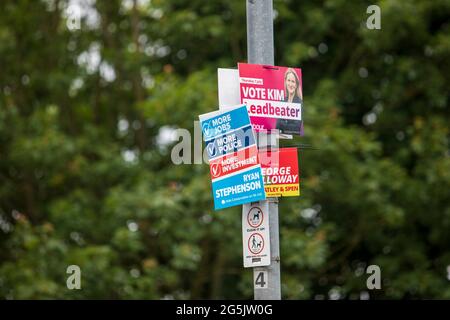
(293, 94)
(292, 87)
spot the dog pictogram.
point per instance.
(256, 243)
(255, 217)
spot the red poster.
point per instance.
(273, 96)
(280, 172)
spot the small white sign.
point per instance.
(260, 279)
(228, 83)
(255, 234)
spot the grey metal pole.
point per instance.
(260, 32)
(260, 50)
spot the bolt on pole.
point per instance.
(260, 50)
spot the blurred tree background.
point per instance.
(86, 128)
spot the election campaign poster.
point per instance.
(273, 96)
(280, 172)
(233, 157)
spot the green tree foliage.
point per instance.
(86, 179)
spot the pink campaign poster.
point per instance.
(273, 96)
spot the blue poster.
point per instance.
(226, 132)
(220, 122)
(232, 141)
(239, 188)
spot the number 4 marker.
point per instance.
(260, 279)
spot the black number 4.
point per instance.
(260, 280)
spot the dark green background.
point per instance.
(376, 190)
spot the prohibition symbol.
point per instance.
(256, 243)
(255, 217)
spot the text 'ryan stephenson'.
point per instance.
(248, 185)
